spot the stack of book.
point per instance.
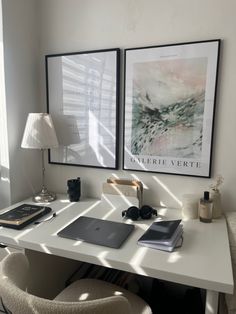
(163, 235)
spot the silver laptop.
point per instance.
(97, 231)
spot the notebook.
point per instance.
(97, 231)
(177, 242)
(22, 215)
(162, 235)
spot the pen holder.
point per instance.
(74, 189)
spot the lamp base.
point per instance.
(44, 196)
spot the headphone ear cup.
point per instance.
(132, 213)
(146, 212)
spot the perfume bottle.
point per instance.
(205, 208)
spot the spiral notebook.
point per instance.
(163, 235)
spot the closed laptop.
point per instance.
(97, 231)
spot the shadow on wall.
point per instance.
(158, 185)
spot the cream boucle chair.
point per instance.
(84, 296)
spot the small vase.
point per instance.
(216, 198)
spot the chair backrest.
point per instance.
(16, 300)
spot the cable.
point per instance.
(48, 219)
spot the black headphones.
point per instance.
(145, 212)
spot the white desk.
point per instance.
(203, 261)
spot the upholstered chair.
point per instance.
(84, 296)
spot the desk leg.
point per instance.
(212, 298)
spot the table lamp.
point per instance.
(40, 134)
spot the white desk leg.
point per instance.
(212, 298)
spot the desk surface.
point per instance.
(203, 261)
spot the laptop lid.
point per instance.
(97, 231)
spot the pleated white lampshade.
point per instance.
(39, 132)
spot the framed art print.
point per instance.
(169, 107)
(83, 98)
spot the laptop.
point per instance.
(97, 231)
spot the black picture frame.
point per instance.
(169, 107)
(83, 99)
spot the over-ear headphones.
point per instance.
(145, 212)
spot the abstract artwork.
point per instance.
(169, 107)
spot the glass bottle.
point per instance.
(205, 208)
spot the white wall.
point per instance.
(4, 152)
(21, 54)
(77, 25)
